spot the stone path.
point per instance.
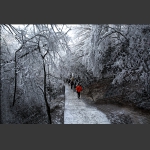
(77, 112)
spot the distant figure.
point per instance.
(78, 89)
(68, 81)
(72, 83)
(74, 87)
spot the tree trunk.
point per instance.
(0, 76)
(15, 88)
(14, 99)
(45, 97)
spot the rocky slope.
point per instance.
(103, 92)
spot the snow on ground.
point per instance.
(77, 112)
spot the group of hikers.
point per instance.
(75, 85)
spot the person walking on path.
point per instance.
(68, 81)
(78, 89)
(72, 82)
(74, 87)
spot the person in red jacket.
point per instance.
(78, 89)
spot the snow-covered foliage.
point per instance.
(119, 51)
(29, 64)
(37, 57)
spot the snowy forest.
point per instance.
(112, 62)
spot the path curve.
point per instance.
(78, 112)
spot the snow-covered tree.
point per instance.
(35, 52)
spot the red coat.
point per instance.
(78, 88)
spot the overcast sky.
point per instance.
(59, 26)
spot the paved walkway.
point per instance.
(77, 112)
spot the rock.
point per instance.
(119, 118)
